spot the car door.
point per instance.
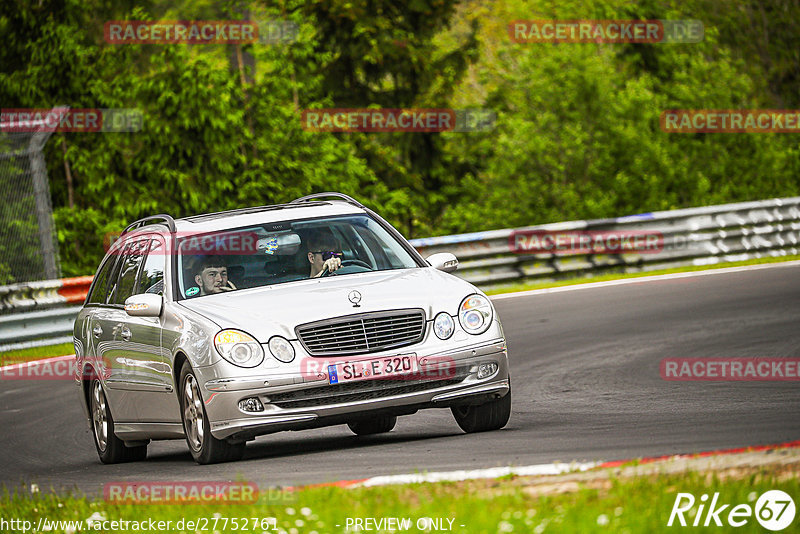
(136, 341)
(156, 400)
(111, 359)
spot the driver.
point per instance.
(323, 252)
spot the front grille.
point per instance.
(361, 391)
(362, 333)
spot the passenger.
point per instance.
(211, 275)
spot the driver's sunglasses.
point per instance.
(328, 254)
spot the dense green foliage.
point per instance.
(577, 132)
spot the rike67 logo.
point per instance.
(774, 510)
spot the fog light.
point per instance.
(487, 369)
(443, 325)
(281, 349)
(251, 405)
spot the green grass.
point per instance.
(639, 504)
(36, 353)
(526, 286)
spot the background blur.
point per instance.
(577, 133)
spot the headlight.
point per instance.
(239, 348)
(475, 314)
(281, 349)
(443, 325)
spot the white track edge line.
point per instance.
(473, 474)
(640, 279)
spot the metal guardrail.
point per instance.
(43, 294)
(36, 314)
(694, 236)
(36, 329)
(497, 258)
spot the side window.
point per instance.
(100, 288)
(151, 279)
(113, 277)
(128, 272)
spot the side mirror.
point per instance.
(444, 261)
(144, 305)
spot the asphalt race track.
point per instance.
(586, 383)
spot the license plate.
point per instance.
(372, 369)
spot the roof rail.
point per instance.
(170, 222)
(317, 196)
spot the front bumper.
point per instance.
(296, 402)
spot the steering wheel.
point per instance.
(345, 263)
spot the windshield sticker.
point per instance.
(268, 245)
(192, 291)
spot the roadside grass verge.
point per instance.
(607, 503)
(527, 286)
(35, 353)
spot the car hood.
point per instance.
(276, 310)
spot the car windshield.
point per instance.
(276, 253)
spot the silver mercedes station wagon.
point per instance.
(222, 327)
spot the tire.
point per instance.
(205, 448)
(110, 448)
(490, 416)
(376, 425)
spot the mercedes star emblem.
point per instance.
(355, 298)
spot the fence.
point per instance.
(497, 258)
(28, 245)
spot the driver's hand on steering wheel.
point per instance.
(331, 264)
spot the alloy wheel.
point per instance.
(99, 419)
(193, 413)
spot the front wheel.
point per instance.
(490, 416)
(110, 448)
(377, 425)
(205, 448)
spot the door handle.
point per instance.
(97, 331)
(125, 333)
